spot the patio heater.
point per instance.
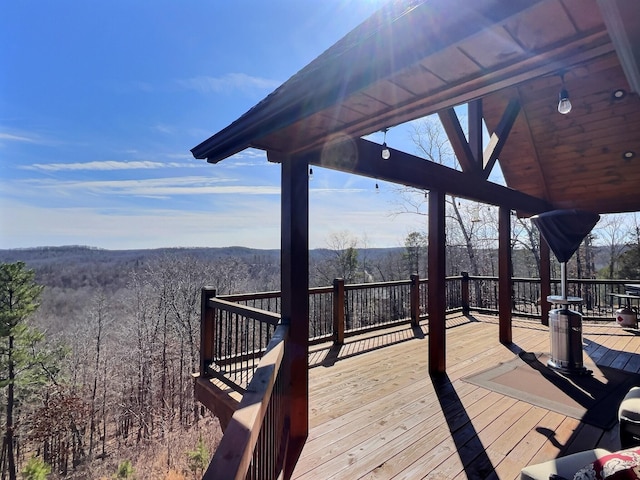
(564, 230)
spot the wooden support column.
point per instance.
(295, 302)
(505, 281)
(436, 296)
(545, 280)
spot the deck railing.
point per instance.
(235, 338)
(254, 443)
(242, 325)
(242, 345)
(597, 301)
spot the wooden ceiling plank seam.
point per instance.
(461, 149)
(542, 26)
(494, 47)
(499, 137)
(431, 72)
(569, 15)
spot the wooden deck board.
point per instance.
(375, 413)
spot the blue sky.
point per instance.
(100, 103)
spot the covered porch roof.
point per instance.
(416, 58)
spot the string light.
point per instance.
(564, 104)
(386, 154)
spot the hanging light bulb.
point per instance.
(564, 104)
(386, 154)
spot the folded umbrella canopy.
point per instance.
(564, 230)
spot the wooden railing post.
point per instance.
(206, 329)
(415, 299)
(338, 311)
(464, 291)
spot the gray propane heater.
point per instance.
(564, 230)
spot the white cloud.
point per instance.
(17, 138)
(154, 187)
(228, 83)
(107, 165)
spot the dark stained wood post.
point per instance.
(465, 292)
(295, 301)
(437, 293)
(206, 329)
(338, 311)
(476, 132)
(415, 299)
(545, 280)
(505, 281)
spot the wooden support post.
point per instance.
(545, 280)
(437, 284)
(338, 311)
(475, 132)
(415, 300)
(295, 302)
(465, 292)
(505, 281)
(206, 329)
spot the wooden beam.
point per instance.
(622, 18)
(499, 137)
(475, 131)
(436, 292)
(453, 129)
(295, 302)
(362, 157)
(505, 282)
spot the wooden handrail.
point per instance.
(255, 313)
(233, 456)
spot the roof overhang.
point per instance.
(416, 58)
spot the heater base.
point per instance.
(579, 371)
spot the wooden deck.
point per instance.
(376, 413)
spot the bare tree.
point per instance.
(340, 260)
(614, 232)
(468, 220)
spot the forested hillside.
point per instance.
(126, 327)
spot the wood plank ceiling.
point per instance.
(416, 58)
